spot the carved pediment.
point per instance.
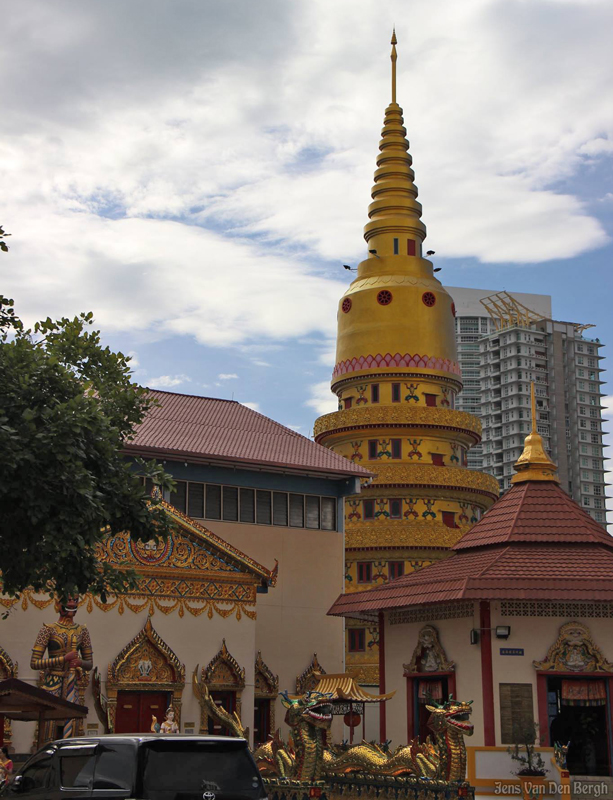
(146, 660)
(309, 678)
(574, 651)
(428, 655)
(266, 683)
(223, 671)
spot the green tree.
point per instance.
(67, 406)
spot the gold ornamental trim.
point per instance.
(399, 533)
(396, 415)
(364, 674)
(429, 476)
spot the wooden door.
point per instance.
(261, 721)
(134, 710)
(226, 699)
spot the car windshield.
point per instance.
(206, 770)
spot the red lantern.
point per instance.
(352, 720)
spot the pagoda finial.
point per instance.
(534, 464)
(394, 58)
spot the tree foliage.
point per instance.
(67, 406)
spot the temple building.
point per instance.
(519, 619)
(396, 378)
(234, 601)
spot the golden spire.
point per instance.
(534, 464)
(394, 58)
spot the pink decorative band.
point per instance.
(388, 360)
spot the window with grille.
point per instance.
(368, 507)
(263, 507)
(279, 508)
(396, 448)
(213, 501)
(374, 393)
(247, 505)
(178, 498)
(311, 505)
(364, 571)
(357, 640)
(395, 509)
(328, 513)
(296, 511)
(395, 392)
(396, 569)
(230, 503)
(373, 449)
(195, 502)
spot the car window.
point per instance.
(186, 770)
(115, 767)
(76, 769)
(37, 775)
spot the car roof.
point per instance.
(146, 737)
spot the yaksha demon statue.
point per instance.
(69, 653)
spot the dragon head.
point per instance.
(453, 714)
(314, 708)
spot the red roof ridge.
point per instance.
(197, 396)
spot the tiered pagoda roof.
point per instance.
(535, 543)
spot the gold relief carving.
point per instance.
(222, 673)
(145, 663)
(308, 680)
(166, 605)
(429, 655)
(403, 534)
(428, 475)
(364, 674)
(399, 415)
(574, 650)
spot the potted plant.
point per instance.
(531, 770)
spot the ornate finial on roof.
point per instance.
(394, 57)
(534, 464)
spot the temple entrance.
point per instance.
(577, 709)
(227, 699)
(428, 690)
(261, 721)
(135, 710)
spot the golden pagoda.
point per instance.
(396, 378)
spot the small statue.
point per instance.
(69, 653)
(169, 725)
(155, 725)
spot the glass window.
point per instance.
(37, 775)
(357, 638)
(364, 571)
(296, 510)
(114, 767)
(395, 247)
(395, 509)
(396, 569)
(179, 496)
(213, 501)
(195, 502)
(263, 507)
(369, 509)
(395, 392)
(230, 503)
(373, 449)
(328, 513)
(77, 769)
(396, 448)
(312, 511)
(374, 393)
(247, 507)
(279, 508)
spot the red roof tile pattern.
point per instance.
(191, 427)
(535, 512)
(535, 543)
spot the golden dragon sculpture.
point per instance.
(308, 758)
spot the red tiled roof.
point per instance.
(534, 544)
(206, 428)
(535, 512)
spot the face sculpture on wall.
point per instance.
(575, 651)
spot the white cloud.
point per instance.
(252, 406)
(227, 376)
(175, 184)
(322, 399)
(167, 381)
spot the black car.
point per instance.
(146, 767)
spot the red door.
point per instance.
(135, 710)
(228, 701)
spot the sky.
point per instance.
(196, 173)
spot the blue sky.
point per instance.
(197, 172)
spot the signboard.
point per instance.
(511, 651)
(340, 709)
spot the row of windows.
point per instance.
(395, 512)
(429, 399)
(259, 506)
(364, 569)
